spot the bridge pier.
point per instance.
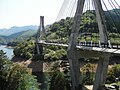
(101, 72)
(39, 56)
(75, 70)
(39, 46)
(72, 52)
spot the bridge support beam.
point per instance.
(73, 59)
(101, 21)
(101, 72)
(39, 55)
(75, 71)
(39, 47)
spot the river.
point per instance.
(8, 51)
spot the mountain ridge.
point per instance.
(17, 37)
(16, 29)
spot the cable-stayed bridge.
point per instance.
(89, 18)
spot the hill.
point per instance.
(17, 37)
(60, 31)
(16, 29)
(22, 34)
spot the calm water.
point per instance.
(8, 51)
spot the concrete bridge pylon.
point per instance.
(72, 53)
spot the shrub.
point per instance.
(113, 73)
(88, 73)
(25, 49)
(59, 80)
(15, 76)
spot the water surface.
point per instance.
(8, 51)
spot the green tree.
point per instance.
(113, 73)
(55, 53)
(25, 49)
(2, 55)
(14, 76)
(87, 71)
(58, 80)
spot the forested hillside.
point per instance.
(16, 29)
(17, 37)
(60, 31)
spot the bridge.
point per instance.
(103, 48)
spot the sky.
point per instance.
(28, 12)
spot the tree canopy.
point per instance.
(15, 76)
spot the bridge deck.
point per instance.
(97, 49)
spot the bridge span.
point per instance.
(87, 48)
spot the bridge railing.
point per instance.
(101, 45)
(88, 44)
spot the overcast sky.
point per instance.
(27, 12)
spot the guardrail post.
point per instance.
(109, 44)
(99, 44)
(91, 43)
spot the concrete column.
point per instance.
(41, 31)
(39, 47)
(41, 27)
(75, 71)
(101, 72)
(101, 21)
(76, 25)
(39, 56)
(72, 53)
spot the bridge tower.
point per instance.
(73, 55)
(39, 38)
(41, 30)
